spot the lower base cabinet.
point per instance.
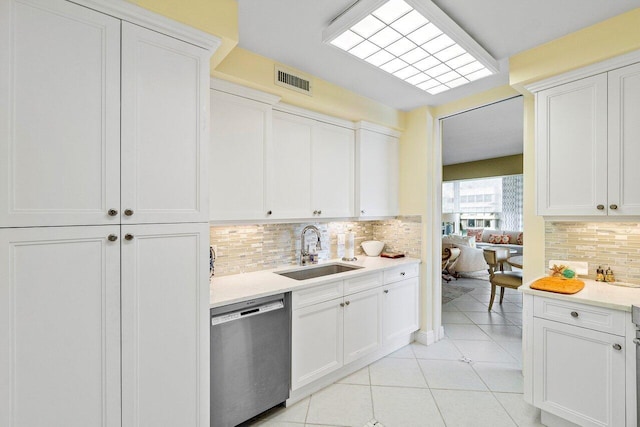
(579, 373)
(104, 326)
(329, 334)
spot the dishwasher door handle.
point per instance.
(247, 312)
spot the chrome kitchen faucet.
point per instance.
(304, 252)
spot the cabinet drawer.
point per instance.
(400, 273)
(316, 294)
(362, 283)
(586, 316)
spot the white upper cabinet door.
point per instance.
(60, 327)
(59, 114)
(624, 141)
(572, 148)
(289, 164)
(240, 130)
(362, 324)
(165, 122)
(165, 325)
(376, 174)
(332, 171)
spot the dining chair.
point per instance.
(449, 259)
(496, 258)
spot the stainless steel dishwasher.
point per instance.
(250, 358)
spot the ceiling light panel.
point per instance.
(406, 39)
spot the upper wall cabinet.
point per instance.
(310, 168)
(63, 68)
(273, 161)
(240, 133)
(376, 171)
(588, 143)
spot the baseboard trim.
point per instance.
(425, 337)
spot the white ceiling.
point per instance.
(488, 132)
(290, 32)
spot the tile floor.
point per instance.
(472, 378)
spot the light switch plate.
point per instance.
(580, 267)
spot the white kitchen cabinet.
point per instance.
(165, 117)
(332, 171)
(68, 159)
(400, 303)
(165, 325)
(310, 171)
(362, 324)
(579, 373)
(339, 324)
(289, 167)
(587, 145)
(60, 326)
(59, 114)
(80, 164)
(316, 341)
(624, 140)
(240, 132)
(376, 171)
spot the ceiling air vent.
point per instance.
(293, 80)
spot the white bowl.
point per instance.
(372, 247)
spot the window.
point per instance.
(486, 202)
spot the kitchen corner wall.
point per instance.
(254, 247)
(606, 244)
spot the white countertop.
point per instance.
(600, 294)
(241, 287)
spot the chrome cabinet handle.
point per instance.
(319, 212)
(617, 347)
(636, 341)
(341, 304)
(112, 212)
(347, 302)
(386, 291)
(128, 236)
(112, 237)
(402, 273)
(128, 212)
(613, 207)
(362, 211)
(574, 314)
(269, 212)
(600, 207)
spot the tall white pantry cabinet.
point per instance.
(103, 216)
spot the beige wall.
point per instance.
(499, 166)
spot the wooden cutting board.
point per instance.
(558, 285)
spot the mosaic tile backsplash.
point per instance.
(606, 244)
(254, 247)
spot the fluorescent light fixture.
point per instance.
(413, 40)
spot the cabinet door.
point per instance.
(362, 324)
(332, 171)
(624, 141)
(59, 114)
(578, 374)
(165, 119)
(289, 167)
(377, 174)
(571, 144)
(60, 327)
(240, 129)
(316, 338)
(400, 309)
(165, 325)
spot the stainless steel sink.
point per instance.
(311, 272)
